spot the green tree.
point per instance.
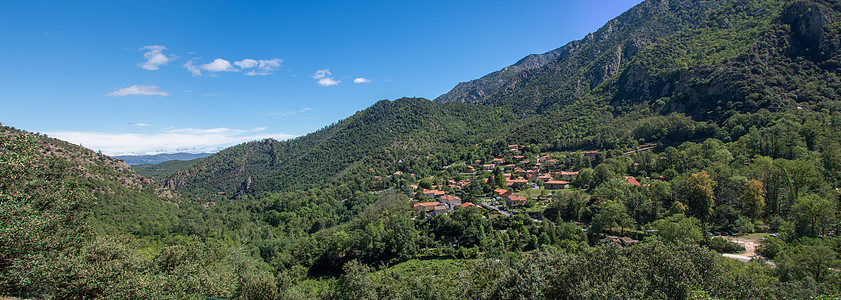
(612, 214)
(585, 178)
(813, 215)
(753, 199)
(699, 192)
(677, 228)
(800, 262)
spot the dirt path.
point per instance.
(750, 242)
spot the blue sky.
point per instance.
(169, 76)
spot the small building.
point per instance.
(514, 200)
(439, 209)
(451, 201)
(502, 193)
(468, 204)
(433, 193)
(498, 161)
(567, 175)
(590, 154)
(556, 185)
(488, 167)
(545, 177)
(426, 206)
(632, 180)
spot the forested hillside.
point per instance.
(622, 166)
(387, 131)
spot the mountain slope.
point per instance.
(120, 199)
(593, 59)
(391, 130)
(708, 59)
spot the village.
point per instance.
(529, 185)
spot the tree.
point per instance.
(612, 214)
(499, 178)
(585, 178)
(602, 174)
(699, 192)
(803, 261)
(677, 228)
(813, 215)
(753, 199)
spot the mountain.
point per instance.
(159, 158)
(707, 59)
(388, 130)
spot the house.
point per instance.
(426, 206)
(439, 209)
(502, 193)
(545, 177)
(511, 182)
(556, 185)
(469, 169)
(468, 204)
(433, 193)
(488, 167)
(398, 173)
(632, 180)
(591, 154)
(498, 161)
(514, 200)
(451, 201)
(567, 175)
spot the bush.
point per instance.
(722, 245)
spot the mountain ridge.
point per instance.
(159, 158)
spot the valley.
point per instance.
(672, 154)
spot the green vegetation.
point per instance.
(719, 118)
(164, 169)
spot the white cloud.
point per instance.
(323, 79)
(139, 124)
(255, 67)
(198, 140)
(266, 67)
(362, 80)
(327, 81)
(138, 90)
(192, 68)
(321, 73)
(155, 58)
(247, 63)
(218, 65)
(289, 113)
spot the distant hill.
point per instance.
(164, 169)
(159, 158)
(385, 132)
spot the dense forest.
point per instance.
(676, 133)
